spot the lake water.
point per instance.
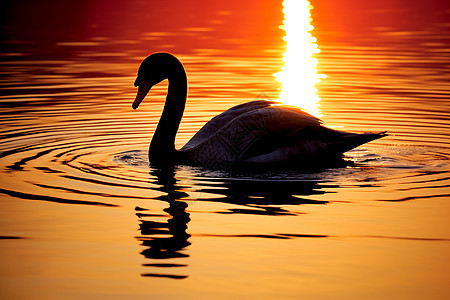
(83, 215)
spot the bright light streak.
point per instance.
(298, 76)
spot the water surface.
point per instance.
(83, 215)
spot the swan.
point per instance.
(260, 132)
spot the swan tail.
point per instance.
(304, 145)
(353, 140)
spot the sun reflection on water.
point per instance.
(298, 76)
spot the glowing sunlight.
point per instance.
(298, 76)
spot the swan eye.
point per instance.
(138, 82)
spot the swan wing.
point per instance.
(259, 130)
(219, 121)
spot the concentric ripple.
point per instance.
(53, 155)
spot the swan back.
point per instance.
(217, 122)
(240, 132)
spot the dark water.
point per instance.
(84, 216)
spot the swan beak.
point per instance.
(142, 92)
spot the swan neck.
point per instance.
(162, 146)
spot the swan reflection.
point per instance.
(166, 237)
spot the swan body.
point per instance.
(260, 132)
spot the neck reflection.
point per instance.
(165, 239)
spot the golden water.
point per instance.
(84, 216)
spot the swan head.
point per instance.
(154, 69)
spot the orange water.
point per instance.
(84, 216)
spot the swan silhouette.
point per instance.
(260, 132)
